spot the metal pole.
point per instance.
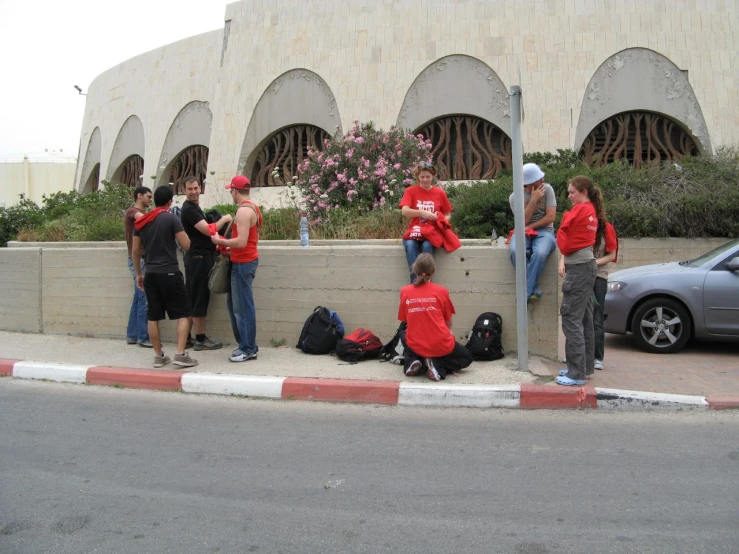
(519, 237)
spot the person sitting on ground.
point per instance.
(427, 310)
(157, 234)
(420, 203)
(575, 238)
(540, 209)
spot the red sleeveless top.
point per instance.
(249, 252)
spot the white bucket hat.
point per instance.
(531, 174)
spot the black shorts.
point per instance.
(198, 264)
(165, 292)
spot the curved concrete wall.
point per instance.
(130, 141)
(370, 54)
(639, 79)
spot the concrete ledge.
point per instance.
(341, 390)
(551, 397)
(614, 398)
(459, 396)
(723, 402)
(6, 367)
(135, 378)
(241, 385)
(63, 373)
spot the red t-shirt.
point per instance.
(249, 252)
(433, 200)
(577, 230)
(426, 309)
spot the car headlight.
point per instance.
(615, 286)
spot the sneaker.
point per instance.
(207, 344)
(431, 372)
(146, 344)
(184, 360)
(414, 369)
(130, 341)
(236, 352)
(161, 361)
(190, 343)
(243, 357)
(598, 364)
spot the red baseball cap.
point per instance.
(239, 182)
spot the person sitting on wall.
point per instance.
(422, 203)
(540, 209)
(427, 310)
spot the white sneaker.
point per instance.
(598, 364)
(243, 357)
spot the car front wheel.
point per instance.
(661, 326)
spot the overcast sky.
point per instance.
(48, 46)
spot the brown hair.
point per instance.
(424, 268)
(417, 171)
(583, 184)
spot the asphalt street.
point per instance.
(93, 469)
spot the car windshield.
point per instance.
(700, 260)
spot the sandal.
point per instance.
(567, 382)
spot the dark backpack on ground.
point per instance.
(484, 341)
(394, 350)
(360, 345)
(321, 331)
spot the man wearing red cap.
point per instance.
(244, 262)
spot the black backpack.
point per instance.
(484, 339)
(360, 345)
(394, 351)
(321, 331)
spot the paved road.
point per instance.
(88, 469)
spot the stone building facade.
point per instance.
(637, 79)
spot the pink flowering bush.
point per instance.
(366, 169)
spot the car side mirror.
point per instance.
(733, 264)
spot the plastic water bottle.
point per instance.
(494, 238)
(304, 227)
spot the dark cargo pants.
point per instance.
(577, 319)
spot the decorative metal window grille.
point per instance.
(284, 151)
(466, 147)
(192, 161)
(637, 137)
(133, 169)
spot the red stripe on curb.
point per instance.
(723, 402)
(6, 367)
(549, 397)
(341, 390)
(135, 378)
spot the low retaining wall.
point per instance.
(62, 288)
(85, 288)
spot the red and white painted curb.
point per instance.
(524, 396)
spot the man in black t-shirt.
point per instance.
(155, 234)
(199, 261)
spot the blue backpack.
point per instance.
(321, 332)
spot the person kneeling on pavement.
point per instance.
(427, 310)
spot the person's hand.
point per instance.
(537, 193)
(140, 282)
(561, 267)
(216, 239)
(429, 216)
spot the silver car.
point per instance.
(664, 305)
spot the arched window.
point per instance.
(285, 150)
(638, 137)
(467, 147)
(191, 161)
(131, 171)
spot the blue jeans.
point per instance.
(413, 248)
(538, 249)
(241, 309)
(137, 325)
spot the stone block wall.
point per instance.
(20, 282)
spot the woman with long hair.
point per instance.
(575, 239)
(421, 203)
(427, 309)
(605, 251)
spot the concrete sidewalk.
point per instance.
(286, 373)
